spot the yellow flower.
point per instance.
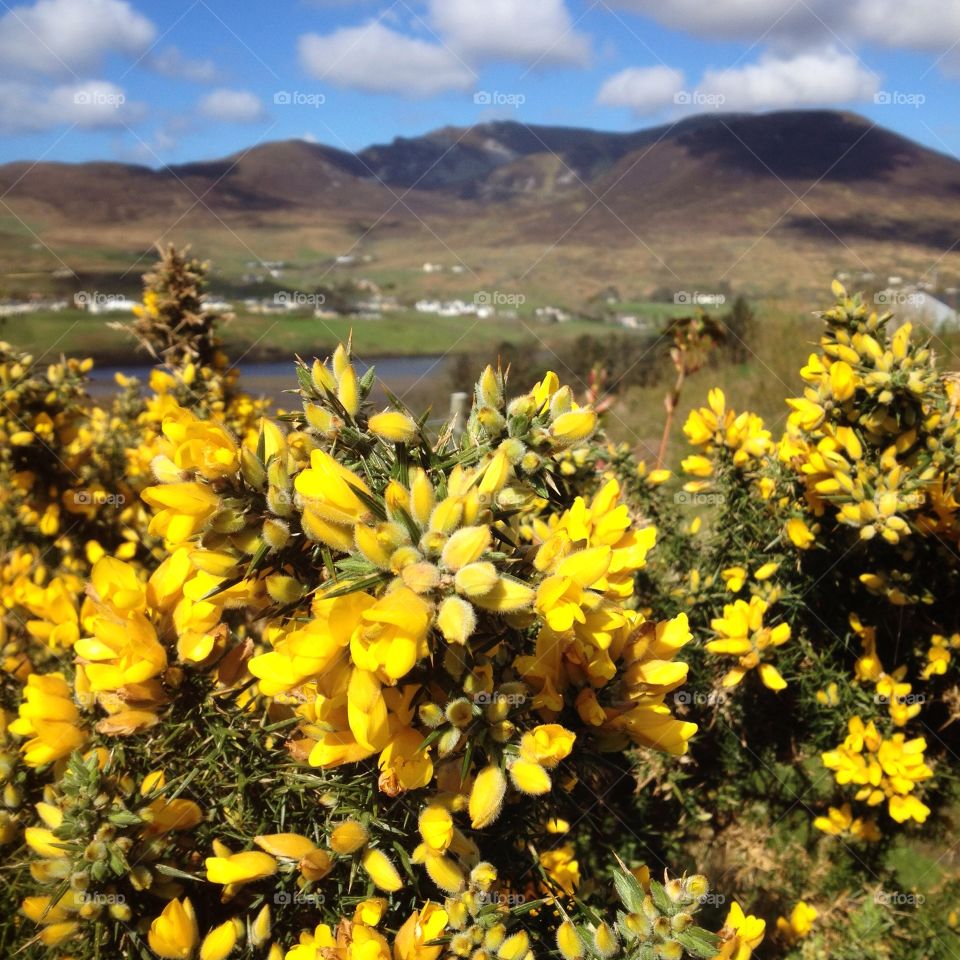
(734, 578)
(799, 924)
(741, 934)
(465, 546)
(405, 763)
(799, 533)
(174, 935)
(50, 718)
(287, 846)
(313, 946)
(883, 769)
(183, 509)
(246, 867)
(743, 635)
(562, 868)
(200, 446)
(391, 635)
(332, 500)
(220, 941)
(436, 827)
(420, 928)
(547, 744)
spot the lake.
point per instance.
(407, 377)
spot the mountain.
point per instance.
(822, 185)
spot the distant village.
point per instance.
(365, 300)
(920, 302)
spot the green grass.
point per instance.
(403, 333)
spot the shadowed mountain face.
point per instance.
(816, 174)
(483, 161)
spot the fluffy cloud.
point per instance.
(63, 37)
(815, 78)
(97, 104)
(808, 79)
(171, 62)
(231, 106)
(645, 90)
(528, 31)
(377, 59)
(918, 24)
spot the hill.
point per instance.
(777, 198)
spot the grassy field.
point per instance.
(402, 333)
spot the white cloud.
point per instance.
(932, 25)
(379, 60)
(63, 37)
(918, 24)
(95, 104)
(231, 106)
(529, 31)
(645, 90)
(171, 62)
(816, 78)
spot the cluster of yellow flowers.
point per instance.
(724, 436)
(859, 492)
(883, 768)
(424, 652)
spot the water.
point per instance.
(422, 375)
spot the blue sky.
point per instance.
(155, 81)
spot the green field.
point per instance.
(255, 336)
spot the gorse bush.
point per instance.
(331, 682)
(351, 687)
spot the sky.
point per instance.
(169, 81)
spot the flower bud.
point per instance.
(486, 800)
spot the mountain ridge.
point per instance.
(740, 191)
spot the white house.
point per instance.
(919, 307)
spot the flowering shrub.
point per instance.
(332, 683)
(820, 572)
(339, 682)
